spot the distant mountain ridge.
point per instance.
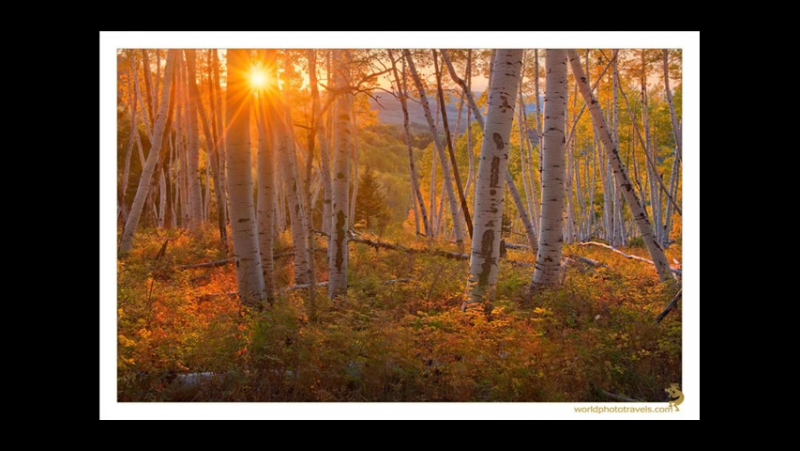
(391, 112)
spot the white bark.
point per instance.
(291, 177)
(324, 145)
(448, 176)
(676, 125)
(149, 167)
(219, 149)
(195, 195)
(548, 259)
(492, 169)
(243, 222)
(265, 114)
(337, 247)
(419, 202)
(623, 182)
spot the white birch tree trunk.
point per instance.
(219, 150)
(548, 258)
(324, 144)
(243, 222)
(291, 177)
(338, 254)
(419, 201)
(623, 182)
(448, 177)
(492, 169)
(352, 213)
(147, 171)
(195, 195)
(265, 114)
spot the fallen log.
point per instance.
(630, 257)
(305, 286)
(672, 305)
(519, 247)
(207, 265)
(230, 260)
(399, 248)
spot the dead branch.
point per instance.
(631, 257)
(208, 264)
(672, 305)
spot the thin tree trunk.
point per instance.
(337, 247)
(195, 194)
(266, 114)
(220, 150)
(147, 172)
(548, 259)
(148, 85)
(403, 96)
(249, 271)
(324, 145)
(122, 196)
(291, 177)
(162, 201)
(147, 118)
(489, 202)
(354, 198)
(443, 108)
(448, 182)
(616, 236)
(310, 200)
(660, 260)
(212, 140)
(676, 125)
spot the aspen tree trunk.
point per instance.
(617, 234)
(292, 184)
(448, 179)
(281, 206)
(212, 152)
(548, 258)
(525, 161)
(443, 109)
(337, 247)
(492, 169)
(649, 150)
(243, 222)
(122, 195)
(403, 96)
(354, 197)
(195, 195)
(324, 146)
(220, 149)
(676, 166)
(676, 125)
(148, 85)
(624, 183)
(147, 121)
(266, 114)
(162, 200)
(538, 106)
(434, 215)
(529, 228)
(149, 167)
(158, 79)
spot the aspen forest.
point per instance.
(399, 225)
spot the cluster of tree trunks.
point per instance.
(195, 165)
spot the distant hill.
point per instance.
(391, 112)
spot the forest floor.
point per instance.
(184, 336)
